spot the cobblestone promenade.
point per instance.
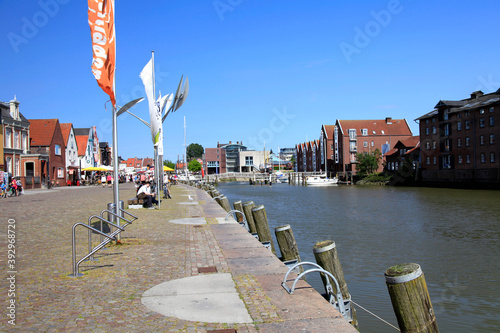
(38, 295)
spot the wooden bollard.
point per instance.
(286, 243)
(262, 226)
(327, 257)
(238, 206)
(247, 210)
(410, 299)
(225, 204)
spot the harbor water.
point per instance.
(454, 235)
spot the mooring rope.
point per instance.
(376, 316)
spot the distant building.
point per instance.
(46, 138)
(346, 138)
(72, 161)
(458, 142)
(403, 160)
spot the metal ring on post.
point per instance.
(336, 299)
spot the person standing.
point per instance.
(103, 180)
(108, 179)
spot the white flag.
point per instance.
(154, 107)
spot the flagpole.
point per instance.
(116, 193)
(156, 161)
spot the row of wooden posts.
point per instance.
(406, 282)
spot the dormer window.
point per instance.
(364, 131)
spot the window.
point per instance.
(467, 141)
(492, 121)
(24, 141)
(428, 160)
(459, 142)
(447, 129)
(459, 159)
(248, 160)
(212, 163)
(447, 145)
(434, 160)
(459, 126)
(433, 129)
(467, 159)
(492, 157)
(433, 120)
(482, 140)
(467, 124)
(445, 115)
(373, 143)
(482, 158)
(467, 113)
(58, 149)
(492, 139)
(459, 115)
(17, 143)
(427, 131)
(433, 144)
(8, 137)
(60, 173)
(364, 131)
(428, 145)
(481, 111)
(481, 122)
(365, 144)
(352, 134)
(427, 120)
(17, 166)
(492, 109)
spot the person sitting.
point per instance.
(145, 193)
(3, 189)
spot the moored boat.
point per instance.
(321, 180)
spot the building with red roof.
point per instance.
(72, 161)
(46, 139)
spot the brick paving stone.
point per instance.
(108, 297)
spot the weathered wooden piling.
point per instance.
(247, 210)
(287, 244)
(223, 202)
(327, 257)
(262, 225)
(238, 206)
(410, 298)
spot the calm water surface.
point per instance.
(452, 234)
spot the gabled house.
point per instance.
(105, 153)
(46, 139)
(358, 136)
(72, 161)
(404, 157)
(85, 142)
(14, 131)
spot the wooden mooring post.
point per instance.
(287, 244)
(410, 299)
(327, 257)
(260, 219)
(238, 206)
(224, 203)
(247, 210)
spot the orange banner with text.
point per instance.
(102, 29)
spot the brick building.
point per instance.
(459, 142)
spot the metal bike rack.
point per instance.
(233, 212)
(104, 242)
(336, 299)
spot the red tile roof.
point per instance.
(42, 131)
(411, 141)
(393, 127)
(81, 142)
(329, 129)
(66, 129)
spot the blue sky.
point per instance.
(262, 72)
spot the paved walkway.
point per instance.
(183, 242)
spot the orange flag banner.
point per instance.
(102, 29)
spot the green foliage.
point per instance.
(194, 166)
(367, 163)
(169, 163)
(194, 150)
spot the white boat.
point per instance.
(321, 180)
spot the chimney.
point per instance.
(388, 120)
(14, 108)
(476, 94)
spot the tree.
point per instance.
(169, 164)
(194, 166)
(194, 150)
(367, 163)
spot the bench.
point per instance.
(135, 203)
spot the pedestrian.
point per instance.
(4, 189)
(145, 193)
(13, 186)
(103, 180)
(109, 179)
